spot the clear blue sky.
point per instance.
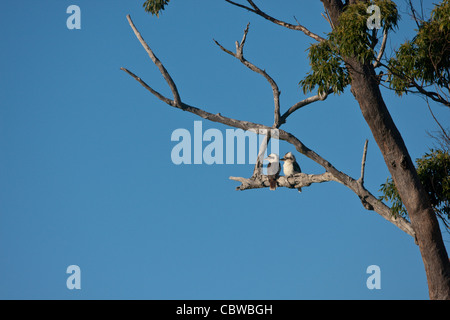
(86, 176)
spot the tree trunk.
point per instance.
(423, 219)
(389, 140)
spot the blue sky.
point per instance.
(86, 176)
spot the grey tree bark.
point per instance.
(366, 91)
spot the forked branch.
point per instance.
(377, 62)
(240, 56)
(259, 181)
(165, 74)
(255, 9)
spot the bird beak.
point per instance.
(283, 159)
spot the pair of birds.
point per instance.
(290, 167)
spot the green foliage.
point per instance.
(352, 35)
(434, 173)
(351, 38)
(390, 194)
(427, 56)
(327, 69)
(155, 6)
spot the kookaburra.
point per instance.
(273, 170)
(290, 166)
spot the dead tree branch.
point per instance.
(301, 104)
(293, 182)
(327, 17)
(363, 163)
(382, 48)
(165, 74)
(240, 56)
(260, 181)
(255, 9)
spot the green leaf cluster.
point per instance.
(155, 6)
(352, 35)
(426, 58)
(327, 69)
(350, 38)
(433, 170)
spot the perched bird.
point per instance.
(290, 166)
(273, 170)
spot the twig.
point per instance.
(259, 160)
(436, 120)
(165, 74)
(363, 163)
(382, 48)
(146, 86)
(304, 102)
(240, 56)
(327, 17)
(259, 12)
(432, 95)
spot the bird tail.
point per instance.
(272, 184)
(299, 189)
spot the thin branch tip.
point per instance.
(363, 163)
(255, 9)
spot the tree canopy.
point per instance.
(350, 38)
(424, 61)
(155, 6)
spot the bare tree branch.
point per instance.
(257, 170)
(244, 125)
(382, 48)
(278, 119)
(327, 17)
(240, 56)
(259, 12)
(334, 8)
(259, 181)
(293, 182)
(146, 86)
(165, 74)
(444, 133)
(369, 201)
(413, 12)
(240, 47)
(363, 163)
(304, 102)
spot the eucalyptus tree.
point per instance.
(349, 56)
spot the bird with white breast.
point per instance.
(290, 166)
(273, 170)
